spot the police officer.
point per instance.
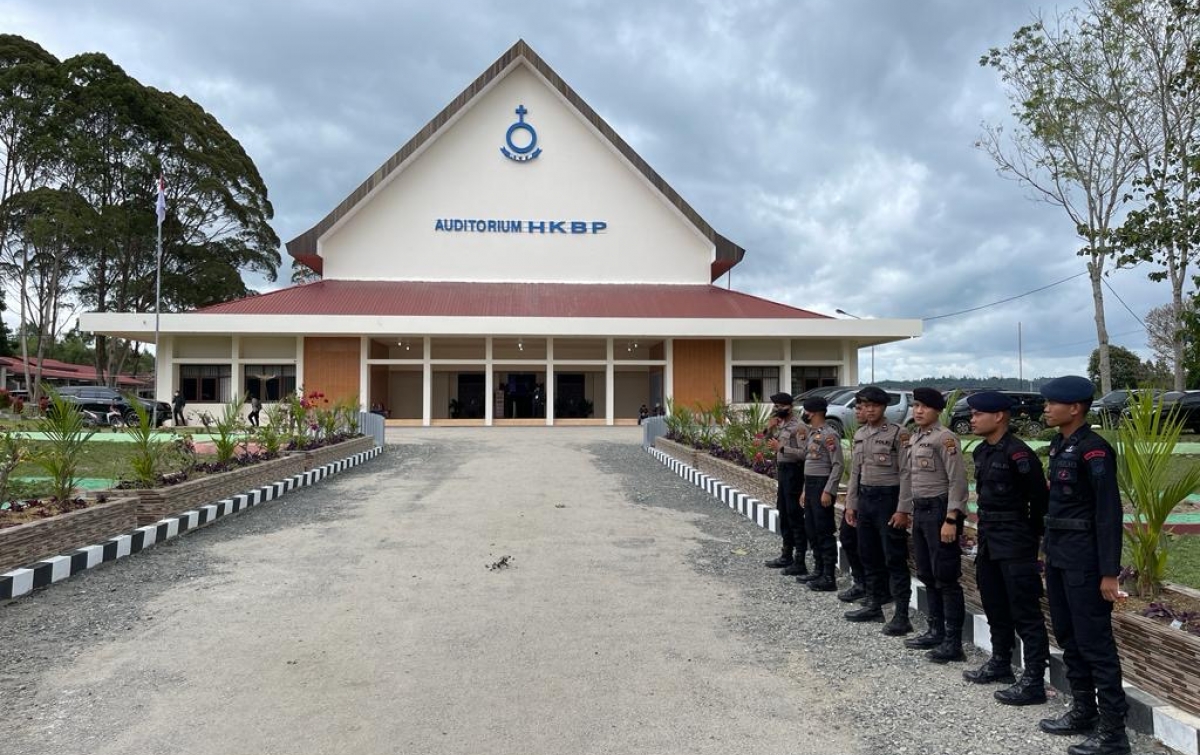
(1083, 559)
(937, 498)
(786, 437)
(822, 475)
(848, 537)
(1012, 508)
(878, 479)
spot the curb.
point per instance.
(1148, 714)
(25, 580)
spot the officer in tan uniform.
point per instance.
(938, 501)
(822, 475)
(787, 436)
(878, 480)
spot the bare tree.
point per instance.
(1069, 147)
(1164, 333)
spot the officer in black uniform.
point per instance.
(787, 436)
(1012, 509)
(1083, 558)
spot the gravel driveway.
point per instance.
(378, 613)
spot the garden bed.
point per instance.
(27, 543)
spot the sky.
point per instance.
(833, 139)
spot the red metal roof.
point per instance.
(53, 369)
(451, 299)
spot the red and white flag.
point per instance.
(161, 206)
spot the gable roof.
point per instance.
(553, 300)
(304, 247)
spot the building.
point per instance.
(515, 262)
(56, 373)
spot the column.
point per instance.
(299, 361)
(728, 370)
(549, 382)
(364, 372)
(785, 384)
(489, 384)
(427, 385)
(609, 384)
(849, 374)
(669, 370)
(164, 369)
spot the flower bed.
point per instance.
(746, 480)
(27, 543)
(678, 451)
(318, 457)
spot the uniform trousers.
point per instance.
(1082, 621)
(787, 503)
(819, 525)
(883, 548)
(1011, 591)
(939, 565)
(848, 537)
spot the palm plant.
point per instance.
(67, 436)
(149, 446)
(1145, 472)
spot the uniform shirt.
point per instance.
(1083, 486)
(823, 456)
(792, 435)
(1008, 478)
(936, 468)
(878, 458)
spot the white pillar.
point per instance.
(489, 384)
(164, 369)
(728, 370)
(609, 382)
(669, 372)
(849, 363)
(785, 383)
(427, 385)
(364, 372)
(299, 361)
(549, 397)
(235, 368)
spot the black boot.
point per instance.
(1079, 719)
(899, 625)
(932, 638)
(1109, 739)
(1030, 689)
(951, 648)
(995, 670)
(825, 582)
(852, 593)
(869, 612)
(796, 568)
(784, 560)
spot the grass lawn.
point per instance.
(105, 461)
(1183, 565)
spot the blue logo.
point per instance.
(529, 150)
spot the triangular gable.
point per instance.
(304, 247)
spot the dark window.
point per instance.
(754, 383)
(207, 383)
(806, 378)
(269, 382)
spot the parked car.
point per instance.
(1111, 405)
(98, 399)
(1183, 404)
(841, 408)
(1026, 405)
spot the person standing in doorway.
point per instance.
(822, 475)
(255, 408)
(1012, 511)
(878, 480)
(1084, 531)
(786, 436)
(937, 499)
(177, 404)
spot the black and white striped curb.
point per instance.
(1148, 714)
(22, 581)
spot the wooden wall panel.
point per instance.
(699, 367)
(331, 366)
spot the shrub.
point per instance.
(227, 431)
(149, 446)
(13, 451)
(67, 436)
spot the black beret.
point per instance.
(989, 401)
(872, 394)
(1071, 389)
(930, 397)
(782, 398)
(815, 404)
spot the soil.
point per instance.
(1177, 602)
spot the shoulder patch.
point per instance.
(951, 446)
(904, 435)
(1098, 453)
(831, 442)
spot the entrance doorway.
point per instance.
(469, 404)
(524, 396)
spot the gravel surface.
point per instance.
(904, 703)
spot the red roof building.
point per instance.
(514, 262)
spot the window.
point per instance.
(752, 384)
(206, 383)
(270, 382)
(806, 378)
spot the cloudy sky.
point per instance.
(833, 139)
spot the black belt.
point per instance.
(788, 463)
(877, 488)
(1002, 516)
(928, 504)
(1083, 525)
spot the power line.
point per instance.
(1004, 301)
(1123, 304)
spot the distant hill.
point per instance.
(950, 383)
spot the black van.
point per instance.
(98, 398)
(1026, 405)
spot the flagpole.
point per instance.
(160, 211)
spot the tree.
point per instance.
(1070, 148)
(1127, 368)
(1162, 110)
(1165, 330)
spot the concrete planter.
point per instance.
(678, 451)
(27, 543)
(746, 480)
(321, 456)
(1160, 660)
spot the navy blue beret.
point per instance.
(873, 394)
(782, 398)
(989, 401)
(930, 397)
(1070, 389)
(815, 404)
